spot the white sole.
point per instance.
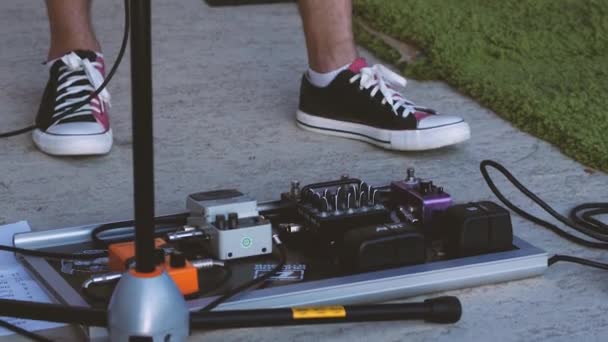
(73, 145)
(399, 140)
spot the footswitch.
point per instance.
(232, 223)
(476, 228)
(382, 246)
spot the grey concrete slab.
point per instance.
(226, 83)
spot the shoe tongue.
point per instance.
(357, 65)
(86, 54)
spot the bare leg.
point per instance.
(329, 33)
(71, 27)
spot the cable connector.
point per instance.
(192, 233)
(205, 264)
(276, 239)
(291, 228)
(101, 279)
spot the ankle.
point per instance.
(328, 57)
(327, 63)
(323, 79)
(58, 49)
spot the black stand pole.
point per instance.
(143, 143)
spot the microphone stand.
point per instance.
(146, 303)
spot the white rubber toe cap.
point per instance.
(73, 145)
(76, 128)
(436, 121)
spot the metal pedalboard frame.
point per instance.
(378, 286)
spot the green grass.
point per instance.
(541, 64)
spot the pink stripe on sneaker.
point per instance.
(102, 118)
(421, 115)
(102, 68)
(357, 65)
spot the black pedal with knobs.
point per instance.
(329, 209)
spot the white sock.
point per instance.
(322, 80)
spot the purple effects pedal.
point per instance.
(419, 200)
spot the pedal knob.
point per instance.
(233, 220)
(411, 175)
(220, 222)
(159, 256)
(177, 259)
(411, 181)
(426, 187)
(295, 189)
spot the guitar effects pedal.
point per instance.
(329, 209)
(419, 201)
(182, 271)
(232, 223)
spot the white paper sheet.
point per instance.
(16, 283)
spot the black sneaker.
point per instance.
(362, 103)
(86, 131)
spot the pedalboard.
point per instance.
(345, 241)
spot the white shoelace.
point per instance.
(73, 63)
(383, 80)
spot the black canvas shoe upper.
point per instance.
(72, 79)
(346, 99)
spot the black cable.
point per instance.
(53, 312)
(581, 261)
(219, 300)
(175, 219)
(581, 217)
(90, 294)
(18, 131)
(227, 274)
(597, 233)
(169, 219)
(32, 336)
(73, 109)
(52, 255)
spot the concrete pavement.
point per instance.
(226, 83)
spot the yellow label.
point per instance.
(319, 312)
